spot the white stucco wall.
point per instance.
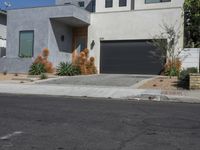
(130, 25)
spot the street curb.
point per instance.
(183, 99)
(165, 98)
(95, 92)
(156, 98)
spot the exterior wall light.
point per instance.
(92, 44)
(62, 38)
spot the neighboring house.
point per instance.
(117, 33)
(3, 21)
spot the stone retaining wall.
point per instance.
(194, 81)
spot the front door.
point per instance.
(79, 41)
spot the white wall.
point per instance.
(138, 5)
(190, 57)
(130, 25)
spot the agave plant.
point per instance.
(66, 69)
(37, 69)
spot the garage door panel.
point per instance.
(128, 57)
(129, 69)
(127, 62)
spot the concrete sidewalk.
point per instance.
(125, 93)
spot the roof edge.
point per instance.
(4, 12)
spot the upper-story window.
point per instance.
(108, 3)
(81, 4)
(122, 3)
(156, 1)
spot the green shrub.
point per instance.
(172, 72)
(37, 69)
(65, 69)
(184, 74)
(43, 76)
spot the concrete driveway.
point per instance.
(101, 80)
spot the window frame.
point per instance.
(81, 4)
(106, 6)
(124, 4)
(19, 53)
(93, 5)
(160, 1)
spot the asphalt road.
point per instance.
(56, 123)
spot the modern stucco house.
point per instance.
(3, 29)
(115, 31)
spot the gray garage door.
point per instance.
(128, 57)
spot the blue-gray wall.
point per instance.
(89, 4)
(63, 35)
(46, 33)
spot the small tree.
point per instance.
(42, 64)
(192, 23)
(166, 49)
(85, 63)
(5, 5)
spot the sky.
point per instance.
(26, 3)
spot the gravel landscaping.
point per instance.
(163, 83)
(21, 78)
(11, 76)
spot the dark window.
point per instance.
(81, 4)
(122, 3)
(91, 6)
(26, 43)
(156, 1)
(108, 3)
